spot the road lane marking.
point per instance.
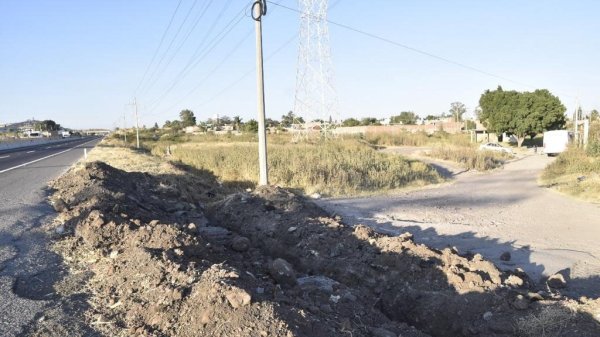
(46, 157)
(31, 151)
(4, 157)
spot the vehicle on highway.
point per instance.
(557, 141)
(66, 134)
(495, 147)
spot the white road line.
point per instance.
(4, 157)
(46, 157)
(30, 151)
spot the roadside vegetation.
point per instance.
(340, 167)
(470, 157)
(577, 171)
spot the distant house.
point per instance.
(192, 129)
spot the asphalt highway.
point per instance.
(28, 268)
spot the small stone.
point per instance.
(240, 244)
(60, 230)
(205, 317)
(521, 303)
(283, 272)
(192, 226)
(292, 229)
(505, 256)
(238, 298)
(381, 332)
(334, 298)
(59, 204)
(477, 257)
(260, 290)
(315, 196)
(557, 281)
(487, 315)
(535, 296)
(114, 254)
(514, 281)
(406, 236)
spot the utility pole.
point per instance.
(259, 8)
(137, 122)
(125, 127)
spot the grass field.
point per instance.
(338, 167)
(577, 171)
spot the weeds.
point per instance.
(340, 167)
(405, 138)
(469, 157)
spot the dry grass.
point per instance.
(342, 167)
(470, 157)
(550, 321)
(574, 173)
(405, 138)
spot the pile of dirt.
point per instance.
(169, 259)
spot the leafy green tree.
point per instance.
(155, 127)
(187, 118)
(431, 118)
(291, 118)
(271, 123)
(369, 121)
(457, 110)
(167, 124)
(237, 120)
(594, 115)
(47, 125)
(251, 126)
(405, 117)
(351, 122)
(521, 113)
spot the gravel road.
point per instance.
(492, 213)
(28, 270)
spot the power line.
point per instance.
(217, 39)
(181, 44)
(170, 44)
(413, 49)
(159, 45)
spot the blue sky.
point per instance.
(79, 62)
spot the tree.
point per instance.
(369, 121)
(594, 115)
(251, 126)
(155, 127)
(291, 118)
(351, 122)
(405, 117)
(431, 118)
(187, 118)
(47, 125)
(457, 110)
(237, 120)
(167, 124)
(521, 113)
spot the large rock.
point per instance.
(283, 272)
(557, 281)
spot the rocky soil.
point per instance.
(159, 255)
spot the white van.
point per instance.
(557, 141)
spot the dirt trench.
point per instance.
(176, 257)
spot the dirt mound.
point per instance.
(167, 260)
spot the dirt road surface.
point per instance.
(492, 213)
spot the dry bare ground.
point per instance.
(161, 250)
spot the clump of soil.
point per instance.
(169, 260)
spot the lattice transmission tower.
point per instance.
(316, 97)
